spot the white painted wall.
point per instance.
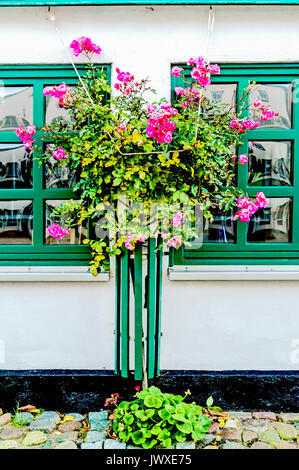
(209, 325)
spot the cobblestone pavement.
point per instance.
(37, 429)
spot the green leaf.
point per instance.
(164, 414)
(141, 415)
(149, 444)
(210, 401)
(185, 427)
(138, 437)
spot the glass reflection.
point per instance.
(225, 93)
(77, 234)
(16, 107)
(271, 225)
(221, 230)
(16, 222)
(279, 97)
(55, 113)
(15, 166)
(57, 176)
(269, 163)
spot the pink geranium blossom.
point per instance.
(243, 159)
(56, 231)
(176, 71)
(84, 45)
(59, 154)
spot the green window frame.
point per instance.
(145, 2)
(39, 253)
(244, 252)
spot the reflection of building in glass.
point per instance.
(221, 230)
(54, 112)
(16, 222)
(16, 107)
(279, 96)
(78, 232)
(223, 92)
(15, 166)
(57, 176)
(269, 163)
(271, 224)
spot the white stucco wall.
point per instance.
(211, 325)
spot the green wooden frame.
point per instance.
(38, 253)
(145, 2)
(244, 252)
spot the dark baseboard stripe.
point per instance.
(86, 390)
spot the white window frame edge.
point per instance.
(234, 273)
(50, 274)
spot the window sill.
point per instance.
(50, 274)
(234, 273)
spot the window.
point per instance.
(29, 191)
(272, 235)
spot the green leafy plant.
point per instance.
(158, 420)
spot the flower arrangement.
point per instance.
(170, 156)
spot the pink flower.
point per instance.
(59, 153)
(84, 44)
(175, 242)
(257, 103)
(26, 136)
(261, 200)
(57, 232)
(200, 61)
(176, 71)
(191, 61)
(214, 69)
(235, 123)
(58, 92)
(177, 219)
(137, 388)
(204, 81)
(243, 159)
(196, 73)
(151, 108)
(117, 86)
(31, 130)
(179, 90)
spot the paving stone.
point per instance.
(264, 415)
(50, 415)
(186, 445)
(232, 435)
(43, 424)
(5, 419)
(249, 436)
(210, 447)
(70, 426)
(214, 428)
(134, 447)
(24, 418)
(242, 415)
(286, 445)
(290, 417)
(8, 444)
(76, 416)
(232, 424)
(11, 433)
(98, 421)
(233, 445)
(113, 444)
(47, 444)
(34, 438)
(285, 431)
(208, 438)
(92, 445)
(260, 445)
(95, 436)
(255, 425)
(67, 436)
(67, 445)
(270, 436)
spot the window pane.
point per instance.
(221, 230)
(16, 107)
(54, 112)
(77, 235)
(279, 97)
(16, 219)
(223, 92)
(269, 163)
(15, 166)
(271, 225)
(57, 176)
